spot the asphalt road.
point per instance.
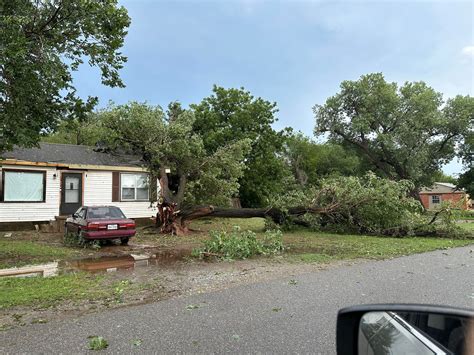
(267, 317)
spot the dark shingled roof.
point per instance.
(71, 154)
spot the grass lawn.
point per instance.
(23, 252)
(323, 247)
(43, 292)
(310, 246)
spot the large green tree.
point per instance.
(84, 131)
(166, 140)
(406, 133)
(230, 115)
(41, 43)
(310, 161)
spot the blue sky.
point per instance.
(293, 52)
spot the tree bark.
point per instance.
(164, 186)
(183, 218)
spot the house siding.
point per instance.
(98, 191)
(34, 211)
(454, 198)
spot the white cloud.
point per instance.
(468, 50)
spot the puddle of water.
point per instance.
(101, 264)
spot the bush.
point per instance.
(71, 239)
(240, 244)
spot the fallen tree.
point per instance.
(178, 222)
(362, 205)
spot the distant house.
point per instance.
(43, 184)
(443, 191)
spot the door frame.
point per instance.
(62, 193)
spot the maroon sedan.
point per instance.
(100, 222)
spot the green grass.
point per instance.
(22, 252)
(323, 247)
(44, 292)
(307, 246)
(199, 232)
(253, 224)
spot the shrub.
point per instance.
(71, 239)
(240, 244)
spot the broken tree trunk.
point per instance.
(277, 215)
(177, 222)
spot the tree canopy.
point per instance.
(230, 115)
(406, 133)
(310, 161)
(41, 43)
(168, 141)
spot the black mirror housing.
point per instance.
(349, 320)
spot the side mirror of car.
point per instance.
(405, 329)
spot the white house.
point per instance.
(42, 184)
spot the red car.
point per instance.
(100, 222)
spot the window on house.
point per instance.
(23, 186)
(134, 187)
(435, 199)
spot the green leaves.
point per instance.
(367, 205)
(42, 43)
(97, 343)
(240, 244)
(232, 115)
(403, 132)
(168, 140)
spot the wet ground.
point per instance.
(111, 259)
(156, 273)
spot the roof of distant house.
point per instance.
(442, 187)
(72, 154)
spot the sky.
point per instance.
(295, 53)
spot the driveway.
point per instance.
(280, 316)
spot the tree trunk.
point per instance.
(165, 191)
(177, 222)
(277, 215)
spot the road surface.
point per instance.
(269, 317)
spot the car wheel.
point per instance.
(124, 241)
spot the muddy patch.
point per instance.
(104, 263)
(127, 262)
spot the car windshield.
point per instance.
(104, 212)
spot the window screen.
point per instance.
(23, 186)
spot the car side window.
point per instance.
(82, 213)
